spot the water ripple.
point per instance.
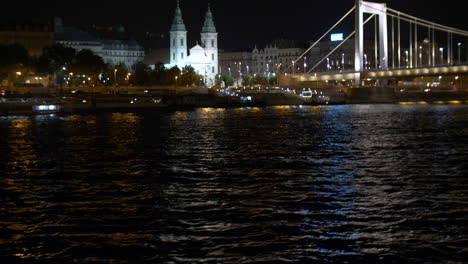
(362, 184)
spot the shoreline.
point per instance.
(135, 109)
(96, 102)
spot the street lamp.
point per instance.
(305, 65)
(365, 61)
(406, 52)
(294, 69)
(441, 55)
(328, 64)
(459, 52)
(420, 55)
(342, 61)
(16, 77)
(115, 76)
(177, 77)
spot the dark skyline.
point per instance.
(240, 24)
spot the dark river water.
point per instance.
(356, 183)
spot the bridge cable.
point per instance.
(339, 45)
(447, 28)
(323, 36)
(422, 22)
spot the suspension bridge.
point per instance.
(405, 47)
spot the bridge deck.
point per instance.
(381, 74)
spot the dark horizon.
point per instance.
(241, 24)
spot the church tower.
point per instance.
(178, 39)
(209, 38)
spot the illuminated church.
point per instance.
(203, 58)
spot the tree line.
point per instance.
(68, 67)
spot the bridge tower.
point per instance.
(381, 11)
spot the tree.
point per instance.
(171, 74)
(117, 74)
(55, 58)
(141, 75)
(13, 58)
(189, 77)
(87, 63)
(246, 80)
(259, 80)
(158, 74)
(273, 79)
(224, 77)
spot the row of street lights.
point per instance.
(366, 62)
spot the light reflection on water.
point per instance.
(360, 183)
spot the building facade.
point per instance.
(272, 59)
(203, 58)
(33, 36)
(126, 52)
(276, 56)
(236, 63)
(281, 55)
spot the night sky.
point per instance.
(240, 23)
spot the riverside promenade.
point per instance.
(88, 99)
